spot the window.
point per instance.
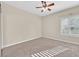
(70, 25)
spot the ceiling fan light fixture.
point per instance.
(46, 6)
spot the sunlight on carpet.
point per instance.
(50, 52)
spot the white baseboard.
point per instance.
(21, 42)
(51, 37)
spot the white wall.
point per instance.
(19, 25)
(51, 26)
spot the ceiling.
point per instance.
(29, 6)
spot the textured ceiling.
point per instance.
(29, 6)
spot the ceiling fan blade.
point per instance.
(49, 9)
(42, 2)
(45, 4)
(38, 7)
(51, 4)
(42, 10)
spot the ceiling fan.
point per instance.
(45, 6)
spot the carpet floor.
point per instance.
(42, 47)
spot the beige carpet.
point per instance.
(27, 49)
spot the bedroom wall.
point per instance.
(51, 26)
(19, 25)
